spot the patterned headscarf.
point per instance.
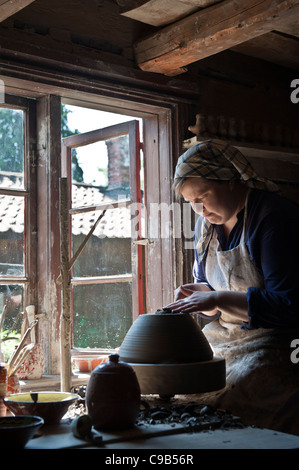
(217, 160)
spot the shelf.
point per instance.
(52, 382)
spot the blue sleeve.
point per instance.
(277, 304)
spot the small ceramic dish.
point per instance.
(16, 431)
(89, 363)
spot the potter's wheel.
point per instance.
(171, 355)
(172, 379)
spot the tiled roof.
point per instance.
(115, 223)
(11, 214)
(11, 207)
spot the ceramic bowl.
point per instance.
(16, 431)
(89, 363)
(165, 338)
(51, 406)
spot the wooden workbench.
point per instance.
(165, 437)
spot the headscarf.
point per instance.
(217, 160)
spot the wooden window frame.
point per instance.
(157, 141)
(163, 133)
(28, 193)
(130, 128)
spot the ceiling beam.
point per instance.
(210, 31)
(274, 47)
(10, 7)
(161, 12)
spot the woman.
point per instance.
(246, 281)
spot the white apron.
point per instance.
(231, 270)
(262, 382)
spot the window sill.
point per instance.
(52, 382)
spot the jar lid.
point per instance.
(114, 366)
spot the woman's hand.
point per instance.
(198, 298)
(195, 298)
(187, 289)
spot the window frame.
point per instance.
(28, 193)
(130, 128)
(163, 133)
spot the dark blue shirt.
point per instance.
(272, 238)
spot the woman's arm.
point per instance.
(210, 302)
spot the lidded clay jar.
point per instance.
(113, 395)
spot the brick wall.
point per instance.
(118, 162)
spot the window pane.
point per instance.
(11, 235)
(89, 164)
(105, 165)
(13, 296)
(11, 148)
(108, 251)
(102, 314)
(86, 195)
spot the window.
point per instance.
(150, 281)
(105, 174)
(17, 210)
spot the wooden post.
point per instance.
(65, 318)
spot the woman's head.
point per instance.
(217, 201)
(215, 160)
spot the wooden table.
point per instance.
(165, 436)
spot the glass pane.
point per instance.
(12, 295)
(108, 251)
(11, 148)
(86, 195)
(89, 164)
(11, 235)
(102, 314)
(104, 165)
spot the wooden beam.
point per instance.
(274, 47)
(209, 32)
(161, 12)
(10, 7)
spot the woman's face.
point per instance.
(217, 202)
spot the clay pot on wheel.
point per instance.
(170, 355)
(113, 395)
(167, 338)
